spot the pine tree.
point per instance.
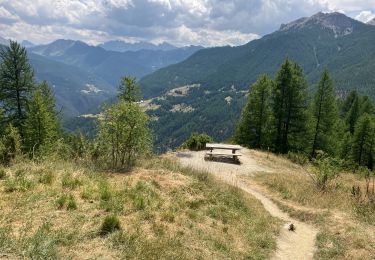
(353, 114)
(16, 84)
(290, 108)
(367, 106)
(364, 141)
(325, 116)
(348, 102)
(129, 90)
(42, 123)
(253, 129)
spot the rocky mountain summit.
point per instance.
(340, 24)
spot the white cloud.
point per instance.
(182, 22)
(365, 16)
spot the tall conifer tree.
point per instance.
(16, 84)
(290, 108)
(254, 127)
(325, 116)
(42, 123)
(364, 141)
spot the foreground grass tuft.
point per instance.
(109, 225)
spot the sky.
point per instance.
(180, 22)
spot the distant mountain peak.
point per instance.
(122, 46)
(339, 23)
(27, 44)
(4, 41)
(372, 22)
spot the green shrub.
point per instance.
(197, 142)
(109, 225)
(70, 182)
(46, 178)
(18, 183)
(42, 245)
(71, 203)
(3, 174)
(60, 202)
(326, 169)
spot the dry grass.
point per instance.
(347, 231)
(164, 212)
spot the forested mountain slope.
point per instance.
(76, 90)
(343, 45)
(334, 41)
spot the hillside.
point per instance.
(77, 91)
(333, 41)
(56, 210)
(111, 65)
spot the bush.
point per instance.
(3, 174)
(71, 203)
(70, 182)
(60, 202)
(109, 225)
(46, 177)
(326, 169)
(197, 142)
(18, 183)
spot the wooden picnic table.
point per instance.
(233, 148)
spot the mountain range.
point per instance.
(111, 65)
(122, 46)
(343, 45)
(84, 76)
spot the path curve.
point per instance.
(296, 245)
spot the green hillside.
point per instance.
(313, 44)
(333, 41)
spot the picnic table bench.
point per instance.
(234, 148)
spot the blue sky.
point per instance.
(180, 22)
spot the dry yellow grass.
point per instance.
(346, 230)
(56, 210)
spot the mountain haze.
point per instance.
(122, 46)
(111, 65)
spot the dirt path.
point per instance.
(299, 244)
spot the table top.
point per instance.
(223, 146)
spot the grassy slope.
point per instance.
(347, 229)
(165, 212)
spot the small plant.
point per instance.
(87, 194)
(43, 244)
(46, 178)
(3, 174)
(60, 202)
(109, 225)
(70, 182)
(19, 183)
(326, 169)
(71, 203)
